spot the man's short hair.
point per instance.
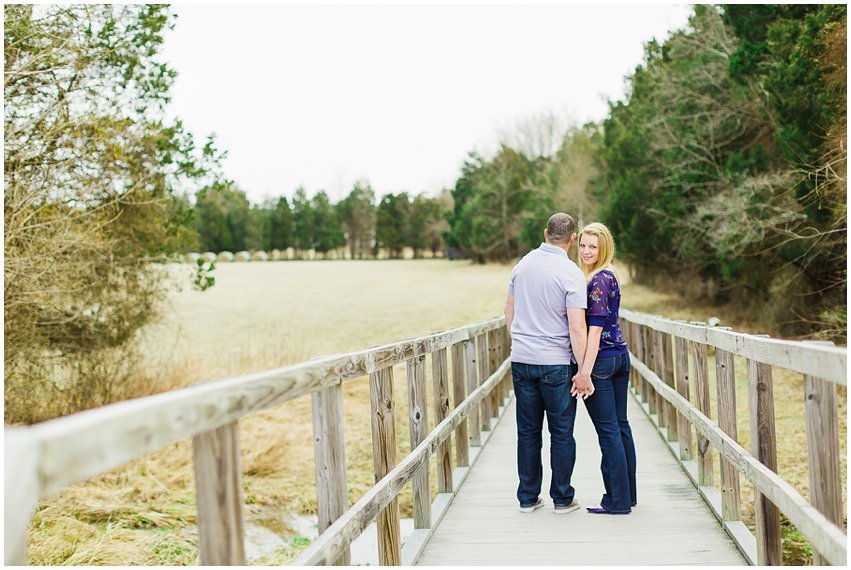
(559, 228)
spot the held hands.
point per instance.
(582, 386)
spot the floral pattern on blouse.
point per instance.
(604, 297)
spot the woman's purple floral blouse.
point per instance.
(604, 300)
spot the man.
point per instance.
(545, 314)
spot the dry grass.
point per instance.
(264, 315)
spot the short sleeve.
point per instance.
(511, 281)
(599, 290)
(575, 297)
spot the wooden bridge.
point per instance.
(685, 514)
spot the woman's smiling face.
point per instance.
(589, 249)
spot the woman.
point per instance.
(607, 362)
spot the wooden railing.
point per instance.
(661, 381)
(44, 458)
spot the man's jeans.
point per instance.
(541, 388)
(607, 408)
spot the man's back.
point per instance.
(544, 284)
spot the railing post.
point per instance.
(726, 384)
(440, 377)
(384, 459)
(493, 364)
(418, 414)
(823, 451)
(459, 392)
(658, 367)
(505, 353)
(19, 497)
(642, 353)
(474, 425)
(701, 386)
(218, 485)
(764, 447)
(482, 361)
(668, 377)
(329, 451)
(683, 426)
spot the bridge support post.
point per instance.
(440, 377)
(459, 392)
(667, 363)
(384, 459)
(218, 484)
(701, 387)
(482, 360)
(726, 384)
(683, 426)
(474, 424)
(764, 447)
(418, 415)
(823, 451)
(329, 451)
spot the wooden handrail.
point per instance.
(817, 519)
(329, 545)
(46, 457)
(825, 362)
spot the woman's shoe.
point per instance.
(600, 510)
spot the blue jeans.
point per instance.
(607, 408)
(541, 388)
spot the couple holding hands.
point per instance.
(566, 344)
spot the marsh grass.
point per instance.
(265, 315)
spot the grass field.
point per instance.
(264, 315)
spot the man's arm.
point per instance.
(578, 342)
(509, 312)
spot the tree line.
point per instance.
(224, 220)
(722, 173)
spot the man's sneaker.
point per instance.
(562, 509)
(538, 504)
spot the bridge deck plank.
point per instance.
(671, 525)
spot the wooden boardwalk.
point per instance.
(670, 526)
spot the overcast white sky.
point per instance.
(321, 96)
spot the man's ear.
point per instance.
(572, 237)
(546, 234)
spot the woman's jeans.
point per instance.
(607, 408)
(541, 388)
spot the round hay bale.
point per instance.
(242, 256)
(428, 254)
(192, 257)
(407, 253)
(225, 256)
(276, 255)
(208, 256)
(331, 254)
(259, 256)
(290, 253)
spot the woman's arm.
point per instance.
(591, 350)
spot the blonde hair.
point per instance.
(605, 249)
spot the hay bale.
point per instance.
(407, 253)
(276, 255)
(428, 254)
(225, 256)
(242, 256)
(208, 256)
(259, 256)
(331, 255)
(192, 258)
(289, 253)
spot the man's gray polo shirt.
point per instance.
(545, 283)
